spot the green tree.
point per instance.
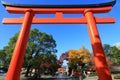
(107, 48)
(5, 56)
(38, 43)
(2, 59)
(113, 53)
(44, 64)
(6, 52)
(48, 63)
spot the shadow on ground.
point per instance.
(47, 79)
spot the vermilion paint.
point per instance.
(20, 48)
(99, 56)
(88, 18)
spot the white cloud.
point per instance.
(116, 44)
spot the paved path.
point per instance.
(91, 78)
(2, 77)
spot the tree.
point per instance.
(44, 64)
(113, 53)
(78, 58)
(48, 63)
(2, 59)
(92, 63)
(106, 48)
(5, 57)
(6, 52)
(38, 43)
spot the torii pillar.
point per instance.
(29, 18)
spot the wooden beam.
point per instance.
(57, 20)
(19, 10)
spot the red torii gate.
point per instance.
(29, 18)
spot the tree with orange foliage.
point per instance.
(78, 58)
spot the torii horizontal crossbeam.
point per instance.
(57, 20)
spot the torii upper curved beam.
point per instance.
(112, 3)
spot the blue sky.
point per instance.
(67, 36)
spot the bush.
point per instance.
(117, 77)
(93, 74)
